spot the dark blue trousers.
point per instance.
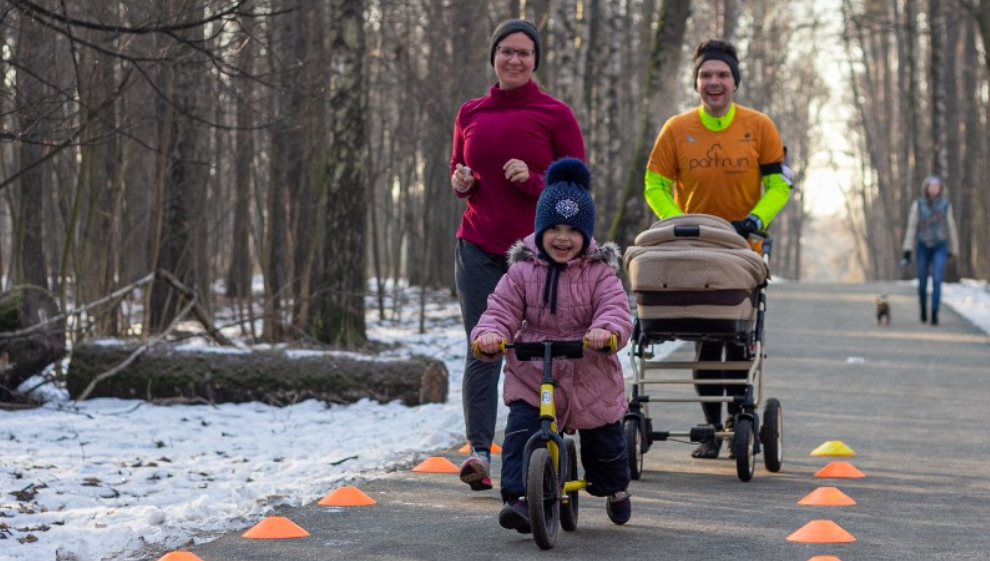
(931, 258)
(603, 453)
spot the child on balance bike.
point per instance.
(561, 285)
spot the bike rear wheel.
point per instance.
(569, 508)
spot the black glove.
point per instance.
(747, 226)
(907, 256)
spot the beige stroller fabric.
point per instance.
(694, 266)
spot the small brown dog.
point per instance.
(883, 310)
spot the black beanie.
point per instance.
(566, 200)
(510, 26)
(714, 54)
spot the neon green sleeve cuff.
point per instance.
(776, 195)
(659, 195)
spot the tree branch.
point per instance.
(117, 294)
(35, 11)
(65, 143)
(201, 315)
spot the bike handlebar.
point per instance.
(533, 346)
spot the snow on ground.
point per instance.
(970, 299)
(102, 479)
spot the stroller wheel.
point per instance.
(742, 444)
(772, 435)
(634, 446)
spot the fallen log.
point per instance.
(169, 373)
(32, 336)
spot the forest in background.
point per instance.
(307, 142)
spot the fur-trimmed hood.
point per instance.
(526, 250)
(537, 300)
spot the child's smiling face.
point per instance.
(562, 242)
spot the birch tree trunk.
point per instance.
(566, 54)
(968, 196)
(937, 87)
(340, 303)
(910, 135)
(919, 163)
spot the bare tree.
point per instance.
(976, 234)
(664, 59)
(968, 194)
(912, 39)
(183, 173)
(233, 137)
(98, 195)
(239, 272)
(729, 18)
(341, 299)
(937, 86)
(933, 71)
(37, 109)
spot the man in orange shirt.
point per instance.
(721, 159)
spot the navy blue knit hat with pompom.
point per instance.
(566, 199)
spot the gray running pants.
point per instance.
(476, 274)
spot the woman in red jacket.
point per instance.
(503, 144)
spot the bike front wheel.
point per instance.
(542, 496)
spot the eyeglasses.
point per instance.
(508, 52)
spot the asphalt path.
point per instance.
(910, 400)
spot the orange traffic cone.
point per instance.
(346, 496)
(274, 528)
(466, 449)
(180, 556)
(833, 448)
(436, 464)
(824, 558)
(821, 531)
(827, 496)
(840, 470)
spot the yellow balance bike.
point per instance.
(550, 464)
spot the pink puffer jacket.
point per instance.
(591, 391)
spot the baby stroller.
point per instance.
(695, 279)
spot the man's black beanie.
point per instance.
(510, 26)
